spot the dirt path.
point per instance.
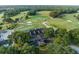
(69, 21)
(46, 24)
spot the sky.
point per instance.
(39, 2)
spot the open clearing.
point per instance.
(44, 13)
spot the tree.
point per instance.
(32, 12)
(26, 17)
(2, 50)
(26, 48)
(77, 17)
(8, 19)
(60, 32)
(21, 44)
(11, 26)
(54, 14)
(0, 27)
(74, 36)
(49, 32)
(58, 46)
(13, 50)
(20, 37)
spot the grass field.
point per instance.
(22, 14)
(44, 13)
(36, 23)
(68, 21)
(1, 15)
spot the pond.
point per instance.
(74, 47)
(4, 36)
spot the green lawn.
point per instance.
(44, 13)
(63, 23)
(22, 14)
(1, 15)
(36, 23)
(68, 22)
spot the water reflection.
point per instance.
(76, 48)
(4, 36)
